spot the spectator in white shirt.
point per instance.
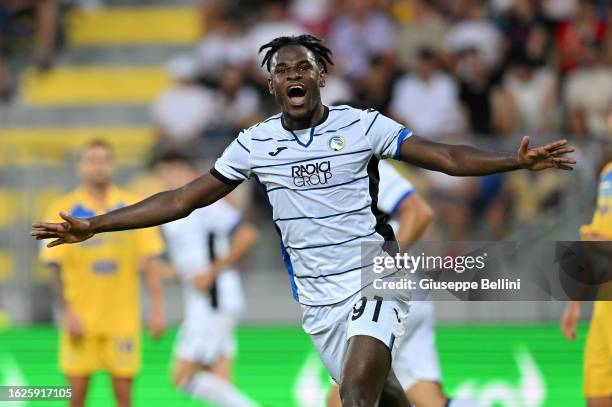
(360, 35)
(427, 101)
(226, 44)
(476, 32)
(532, 93)
(588, 96)
(182, 112)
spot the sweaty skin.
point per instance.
(295, 65)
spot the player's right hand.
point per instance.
(73, 324)
(73, 230)
(569, 320)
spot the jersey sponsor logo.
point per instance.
(337, 143)
(124, 345)
(105, 267)
(313, 174)
(278, 150)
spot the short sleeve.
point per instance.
(384, 134)
(55, 254)
(234, 165)
(392, 189)
(149, 242)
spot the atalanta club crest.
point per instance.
(336, 143)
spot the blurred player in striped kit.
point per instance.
(416, 362)
(204, 248)
(98, 286)
(598, 351)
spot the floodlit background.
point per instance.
(152, 75)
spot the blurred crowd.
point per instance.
(27, 25)
(449, 70)
(442, 67)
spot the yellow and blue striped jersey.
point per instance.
(100, 275)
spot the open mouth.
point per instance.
(296, 94)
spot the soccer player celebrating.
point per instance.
(598, 351)
(203, 248)
(98, 285)
(416, 362)
(319, 167)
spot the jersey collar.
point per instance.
(312, 129)
(112, 200)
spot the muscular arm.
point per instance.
(155, 210)
(163, 207)
(463, 160)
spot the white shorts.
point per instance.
(416, 357)
(206, 341)
(331, 326)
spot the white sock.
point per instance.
(463, 403)
(211, 388)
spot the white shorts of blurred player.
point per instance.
(331, 326)
(416, 358)
(208, 340)
(207, 332)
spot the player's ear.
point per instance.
(322, 79)
(270, 86)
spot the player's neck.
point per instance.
(316, 117)
(97, 192)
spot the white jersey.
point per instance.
(322, 184)
(193, 243)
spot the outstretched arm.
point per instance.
(155, 210)
(463, 160)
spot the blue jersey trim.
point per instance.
(289, 266)
(404, 134)
(401, 199)
(392, 341)
(325, 132)
(310, 139)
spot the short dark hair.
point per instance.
(98, 142)
(314, 44)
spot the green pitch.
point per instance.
(502, 365)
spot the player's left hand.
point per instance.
(157, 324)
(552, 155)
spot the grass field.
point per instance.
(502, 365)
